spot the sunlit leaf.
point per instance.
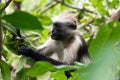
(98, 4)
(74, 75)
(45, 32)
(86, 4)
(66, 67)
(40, 68)
(112, 3)
(19, 0)
(45, 20)
(69, 1)
(58, 75)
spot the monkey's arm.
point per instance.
(26, 51)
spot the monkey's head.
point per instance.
(64, 26)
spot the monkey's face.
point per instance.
(61, 31)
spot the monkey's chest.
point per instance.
(66, 55)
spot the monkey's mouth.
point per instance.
(54, 37)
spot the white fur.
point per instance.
(65, 54)
(48, 46)
(70, 53)
(61, 19)
(65, 17)
(66, 51)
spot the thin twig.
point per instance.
(7, 3)
(51, 6)
(49, 3)
(87, 30)
(87, 23)
(65, 4)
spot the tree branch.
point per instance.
(65, 4)
(115, 16)
(7, 3)
(16, 5)
(0, 36)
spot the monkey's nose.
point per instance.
(54, 32)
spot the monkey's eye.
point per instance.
(56, 25)
(72, 26)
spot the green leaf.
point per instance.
(23, 20)
(97, 22)
(5, 53)
(86, 4)
(65, 67)
(19, 0)
(74, 74)
(40, 68)
(45, 32)
(45, 20)
(5, 70)
(69, 1)
(11, 44)
(112, 4)
(58, 75)
(21, 64)
(21, 75)
(98, 4)
(102, 49)
(104, 35)
(9, 27)
(1, 5)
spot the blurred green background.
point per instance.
(28, 22)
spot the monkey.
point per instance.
(65, 42)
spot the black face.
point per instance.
(57, 31)
(60, 30)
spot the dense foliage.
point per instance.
(28, 22)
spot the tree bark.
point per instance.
(0, 36)
(115, 16)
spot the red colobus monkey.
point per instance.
(64, 41)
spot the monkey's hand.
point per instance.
(25, 50)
